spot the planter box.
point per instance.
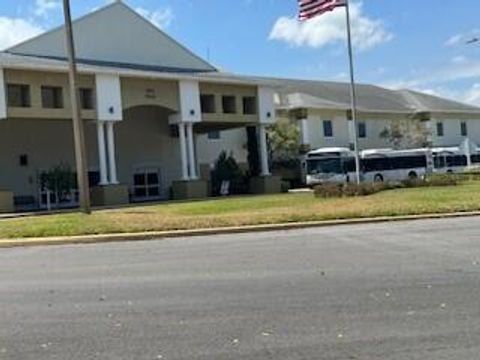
(109, 195)
(6, 202)
(194, 189)
(266, 185)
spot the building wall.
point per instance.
(316, 139)
(140, 92)
(38, 79)
(452, 132)
(232, 141)
(239, 91)
(144, 140)
(47, 143)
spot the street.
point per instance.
(408, 290)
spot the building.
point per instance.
(153, 111)
(157, 116)
(322, 111)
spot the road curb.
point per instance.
(157, 235)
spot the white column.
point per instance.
(262, 135)
(102, 155)
(3, 96)
(191, 152)
(111, 153)
(304, 131)
(183, 150)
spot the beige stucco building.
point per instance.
(152, 112)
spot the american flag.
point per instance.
(312, 8)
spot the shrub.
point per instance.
(227, 169)
(331, 190)
(328, 190)
(442, 180)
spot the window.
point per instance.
(463, 128)
(362, 130)
(408, 162)
(327, 128)
(456, 160)
(214, 135)
(23, 160)
(440, 131)
(207, 104)
(439, 162)
(52, 97)
(86, 98)
(146, 184)
(18, 95)
(475, 159)
(229, 105)
(249, 105)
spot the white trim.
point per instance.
(109, 97)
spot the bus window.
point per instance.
(456, 160)
(439, 162)
(475, 159)
(325, 166)
(376, 164)
(349, 165)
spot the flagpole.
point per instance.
(353, 95)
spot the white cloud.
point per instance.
(330, 29)
(43, 7)
(15, 30)
(162, 18)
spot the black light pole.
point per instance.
(78, 130)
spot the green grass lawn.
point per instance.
(249, 210)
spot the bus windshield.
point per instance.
(325, 166)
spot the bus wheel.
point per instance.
(412, 175)
(378, 178)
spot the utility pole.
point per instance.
(78, 128)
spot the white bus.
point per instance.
(386, 165)
(327, 165)
(378, 165)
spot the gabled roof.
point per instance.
(370, 98)
(116, 35)
(323, 95)
(435, 104)
(301, 100)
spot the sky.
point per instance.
(414, 44)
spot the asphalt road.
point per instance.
(382, 291)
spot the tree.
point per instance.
(404, 134)
(284, 141)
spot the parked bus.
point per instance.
(378, 165)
